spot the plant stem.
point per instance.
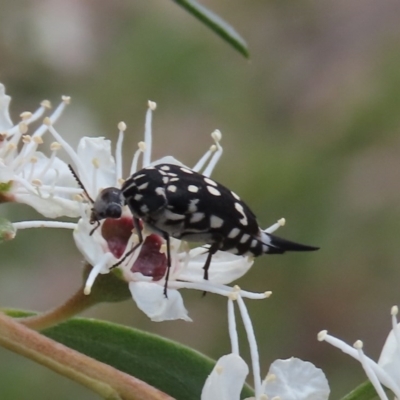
(73, 306)
(103, 379)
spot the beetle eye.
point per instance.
(113, 211)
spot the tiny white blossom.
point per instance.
(295, 379)
(387, 370)
(28, 175)
(146, 268)
(291, 379)
(226, 379)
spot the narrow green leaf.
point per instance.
(216, 24)
(171, 367)
(363, 392)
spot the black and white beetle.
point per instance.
(174, 201)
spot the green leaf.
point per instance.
(363, 392)
(216, 24)
(171, 367)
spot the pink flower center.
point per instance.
(117, 232)
(150, 261)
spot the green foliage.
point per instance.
(175, 369)
(363, 392)
(216, 24)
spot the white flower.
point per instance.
(28, 175)
(295, 379)
(226, 379)
(145, 269)
(291, 379)
(387, 371)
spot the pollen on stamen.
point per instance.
(268, 294)
(96, 163)
(213, 148)
(33, 160)
(219, 369)
(25, 115)
(122, 126)
(87, 290)
(55, 146)
(66, 99)
(46, 104)
(47, 121)
(37, 182)
(236, 288)
(394, 311)
(152, 105)
(322, 335)
(37, 139)
(358, 344)
(11, 146)
(78, 197)
(282, 221)
(120, 181)
(26, 139)
(142, 146)
(233, 296)
(270, 378)
(23, 127)
(217, 135)
(163, 248)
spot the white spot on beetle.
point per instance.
(240, 209)
(244, 238)
(139, 176)
(143, 186)
(216, 222)
(165, 179)
(172, 188)
(188, 171)
(210, 181)
(233, 233)
(193, 188)
(144, 208)
(165, 167)
(235, 195)
(138, 197)
(193, 205)
(197, 217)
(173, 216)
(213, 191)
(160, 191)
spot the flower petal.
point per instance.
(150, 298)
(99, 149)
(389, 359)
(295, 379)
(93, 247)
(5, 120)
(226, 379)
(225, 267)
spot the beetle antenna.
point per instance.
(80, 183)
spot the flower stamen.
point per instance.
(255, 359)
(118, 150)
(148, 133)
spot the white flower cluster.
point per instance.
(384, 372)
(46, 183)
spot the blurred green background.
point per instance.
(311, 132)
